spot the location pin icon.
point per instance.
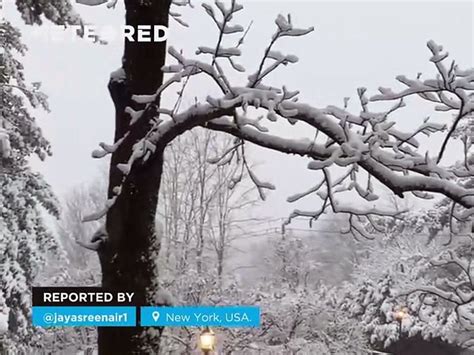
(155, 315)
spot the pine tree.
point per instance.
(24, 195)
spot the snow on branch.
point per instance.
(285, 28)
(95, 216)
(97, 240)
(450, 90)
(359, 218)
(91, 2)
(176, 15)
(110, 3)
(260, 185)
(107, 148)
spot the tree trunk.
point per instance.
(220, 265)
(220, 268)
(128, 258)
(199, 252)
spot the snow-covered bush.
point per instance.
(384, 281)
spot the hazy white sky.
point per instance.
(354, 44)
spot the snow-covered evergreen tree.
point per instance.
(24, 195)
(57, 11)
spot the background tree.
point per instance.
(82, 266)
(202, 208)
(189, 188)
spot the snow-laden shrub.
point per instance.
(386, 279)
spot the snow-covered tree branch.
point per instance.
(367, 144)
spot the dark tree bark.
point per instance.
(128, 257)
